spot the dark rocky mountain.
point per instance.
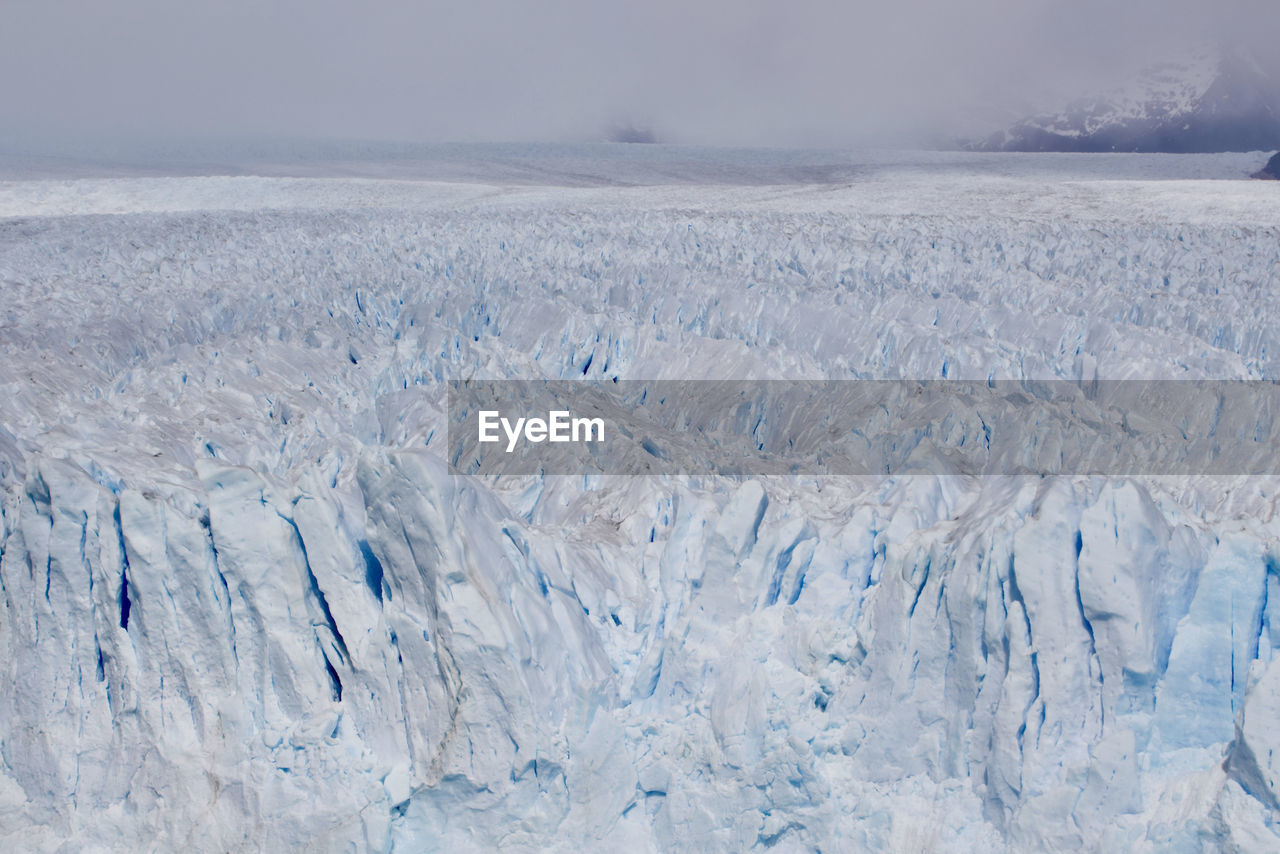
(1271, 171)
(631, 133)
(1217, 101)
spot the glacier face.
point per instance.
(246, 607)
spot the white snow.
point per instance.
(1164, 91)
(245, 607)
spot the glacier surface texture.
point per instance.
(244, 606)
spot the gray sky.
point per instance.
(803, 72)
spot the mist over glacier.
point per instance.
(245, 606)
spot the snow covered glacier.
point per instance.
(246, 607)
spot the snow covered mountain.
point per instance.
(244, 606)
(1212, 101)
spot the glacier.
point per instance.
(245, 605)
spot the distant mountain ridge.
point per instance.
(1222, 100)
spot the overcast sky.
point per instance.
(802, 72)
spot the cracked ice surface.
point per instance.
(245, 607)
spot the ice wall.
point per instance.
(245, 607)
